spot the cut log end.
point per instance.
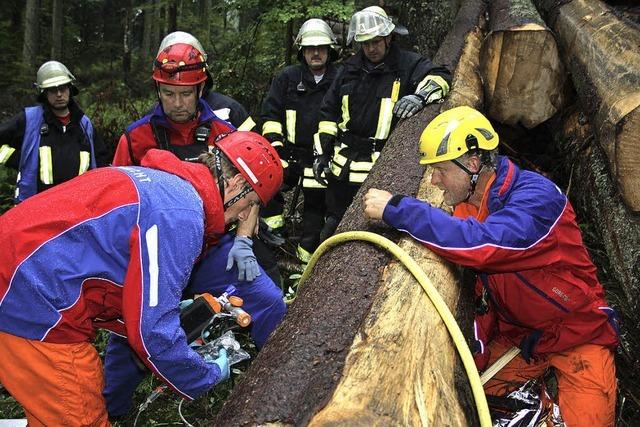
(523, 76)
(628, 159)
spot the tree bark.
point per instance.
(31, 26)
(57, 29)
(601, 51)
(205, 21)
(288, 43)
(126, 40)
(361, 345)
(523, 75)
(156, 27)
(172, 16)
(147, 34)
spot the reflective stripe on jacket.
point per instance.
(33, 155)
(290, 115)
(359, 106)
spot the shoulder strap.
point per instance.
(134, 161)
(160, 135)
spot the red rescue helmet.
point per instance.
(257, 161)
(180, 64)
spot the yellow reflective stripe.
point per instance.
(247, 124)
(312, 183)
(358, 171)
(46, 165)
(384, 118)
(272, 126)
(284, 163)
(395, 90)
(317, 147)
(345, 113)
(277, 144)
(275, 221)
(309, 180)
(5, 152)
(85, 159)
(436, 79)
(303, 254)
(291, 125)
(326, 126)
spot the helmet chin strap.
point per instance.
(473, 181)
(218, 170)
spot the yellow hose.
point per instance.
(432, 293)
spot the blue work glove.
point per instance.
(222, 362)
(242, 254)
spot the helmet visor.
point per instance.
(366, 25)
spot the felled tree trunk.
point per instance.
(602, 54)
(522, 71)
(362, 345)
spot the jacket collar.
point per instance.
(205, 115)
(52, 119)
(200, 177)
(507, 174)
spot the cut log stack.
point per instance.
(603, 55)
(362, 344)
(523, 75)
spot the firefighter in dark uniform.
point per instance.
(290, 114)
(377, 86)
(53, 141)
(230, 110)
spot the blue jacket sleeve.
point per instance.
(163, 251)
(520, 235)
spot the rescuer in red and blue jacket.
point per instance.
(537, 287)
(114, 249)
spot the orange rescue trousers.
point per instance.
(56, 384)
(586, 377)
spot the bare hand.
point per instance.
(374, 203)
(248, 226)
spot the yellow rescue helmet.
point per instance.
(455, 132)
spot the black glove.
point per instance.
(408, 105)
(321, 168)
(296, 167)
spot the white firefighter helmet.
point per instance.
(53, 74)
(369, 23)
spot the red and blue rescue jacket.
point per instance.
(537, 285)
(113, 248)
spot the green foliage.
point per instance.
(7, 188)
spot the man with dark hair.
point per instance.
(290, 113)
(53, 141)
